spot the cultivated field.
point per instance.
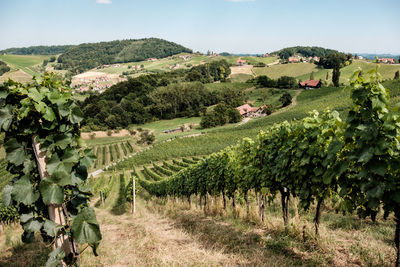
(26, 63)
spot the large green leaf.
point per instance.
(32, 225)
(5, 117)
(56, 164)
(63, 109)
(51, 192)
(55, 258)
(51, 228)
(76, 115)
(15, 152)
(85, 227)
(3, 92)
(89, 158)
(49, 114)
(70, 155)
(35, 94)
(24, 192)
(51, 188)
(6, 195)
(62, 140)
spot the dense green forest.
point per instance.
(90, 55)
(160, 96)
(3, 68)
(37, 50)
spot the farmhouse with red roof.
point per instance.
(387, 60)
(247, 111)
(308, 84)
(241, 62)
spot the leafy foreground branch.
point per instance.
(50, 161)
(313, 159)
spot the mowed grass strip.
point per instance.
(24, 62)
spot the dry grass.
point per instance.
(148, 239)
(344, 240)
(18, 75)
(15, 253)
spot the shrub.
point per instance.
(109, 132)
(146, 138)
(285, 99)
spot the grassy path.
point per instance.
(149, 239)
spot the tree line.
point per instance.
(37, 50)
(159, 96)
(283, 82)
(313, 159)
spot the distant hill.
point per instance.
(37, 50)
(90, 55)
(372, 56)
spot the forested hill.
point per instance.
(90, 55)
(306, 51)
(37, 50)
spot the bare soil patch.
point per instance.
(102, 134)
(246, 69)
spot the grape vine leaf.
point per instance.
(55, 257)
(51, 187)
(85, 227)
(15, 152)
(5, 117)
(76, 114)
(89, 158)
(51, 228)
(6, 195)
(24, 192)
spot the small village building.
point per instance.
(247, 111)
(387, 60)
(293, 60)
(310, 84)
(185, 57)
(241, 62)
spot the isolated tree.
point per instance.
(336, 76)
(285, 99)
(396, 75)
(312, 76)
(327, 76)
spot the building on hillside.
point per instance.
(185, 57)
(387, 60)
(247, 111)
(310, 84)
(293, 60)
(316, 59)
(265, 55)
(241, 62)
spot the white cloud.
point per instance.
(103, 1)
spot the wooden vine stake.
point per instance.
(56, 212)
(133, 195)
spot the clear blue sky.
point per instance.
(238, 26)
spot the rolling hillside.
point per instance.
(89, 55)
